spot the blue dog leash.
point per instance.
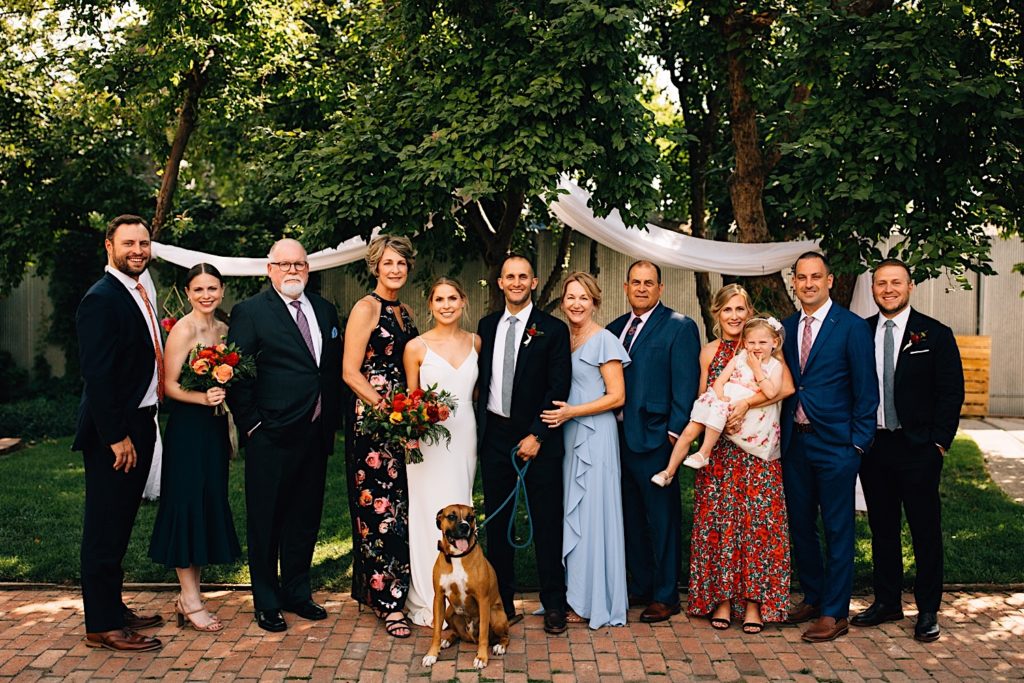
(518, 489)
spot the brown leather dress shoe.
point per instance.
(134, 622)
(658, 611)
(122, 640)
(825, 629)
(801, 613)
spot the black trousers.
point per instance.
(897, 476)
(544, 488)
(112, 499)
(285, 473)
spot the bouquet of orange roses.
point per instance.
(215, 366)
(404, 419)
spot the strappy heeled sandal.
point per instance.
(394, 626)
(182, 616)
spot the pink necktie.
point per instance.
(307, 336)
(805, 351)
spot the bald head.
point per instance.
(286, 244)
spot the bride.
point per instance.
(445, 355)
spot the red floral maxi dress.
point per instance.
(740, 543)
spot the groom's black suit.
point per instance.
(543, 373)
(117, 358)
(286, 452)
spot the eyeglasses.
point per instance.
(297, 266)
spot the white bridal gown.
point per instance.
(445, 477)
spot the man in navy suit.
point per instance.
(661, 385)
(120, 351)
(827, 426)
(288, 414)
(921, 390)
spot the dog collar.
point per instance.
(449, 556)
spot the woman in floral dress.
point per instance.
(375, 337)
(739, 556)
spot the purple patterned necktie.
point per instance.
(627, 341)
(805, 352)
(300, 320)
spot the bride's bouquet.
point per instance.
(404, 419)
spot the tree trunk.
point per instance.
(746, 184)
(842, 289)
(496, 243)
(195, 81)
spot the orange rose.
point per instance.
(223, 373)
(200, 366)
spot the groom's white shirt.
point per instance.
(498, 355)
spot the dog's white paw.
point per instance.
(428, 660)
(445, 644)
(479, 663)
(498, 649)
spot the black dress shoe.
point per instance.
(878, 613)
(514, 618)
(927, 628)
(554, 621)
(308, 610)
(271, 620)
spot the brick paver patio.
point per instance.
(41, 639)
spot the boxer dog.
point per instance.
(464, 577)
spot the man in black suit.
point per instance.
(524, 366)
(288, 414)
(661, 384)
(120, 351)
(921, 390)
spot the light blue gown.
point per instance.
(594, 546)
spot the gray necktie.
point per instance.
(508, 367)
(892, 421)
(307, 336)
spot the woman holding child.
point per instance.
(739, 558)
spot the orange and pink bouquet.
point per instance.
(215, 366)
(404, 419)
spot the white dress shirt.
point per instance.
(498, 355)
(899, 327)
(819, 316)
(314, 326)
(644, 317)
(150, 397)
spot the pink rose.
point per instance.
(360, 477)
(377, 582)
(383, 527)
(393, 470)
(373, 459)
(377, 381)
(381, 505)
(396, 591)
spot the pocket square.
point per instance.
(334, 333)
(921, 351)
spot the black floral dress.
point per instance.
(378, 488)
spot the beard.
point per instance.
(293, 289)
(122, 264)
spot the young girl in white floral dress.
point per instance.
(758, 367)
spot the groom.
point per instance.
(288, 415)
(524, 366)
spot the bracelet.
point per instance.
(761, 380)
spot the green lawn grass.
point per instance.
(41, 497)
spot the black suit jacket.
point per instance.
(288, 379)
(543, 375)
(115, 350)
(929, 381)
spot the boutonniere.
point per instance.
(915, 339)
(531, 332)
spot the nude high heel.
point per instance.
(182, 616)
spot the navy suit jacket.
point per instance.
(115, 350)
(929, 381)
(661, 380)
(287, 380)
(838, 388)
